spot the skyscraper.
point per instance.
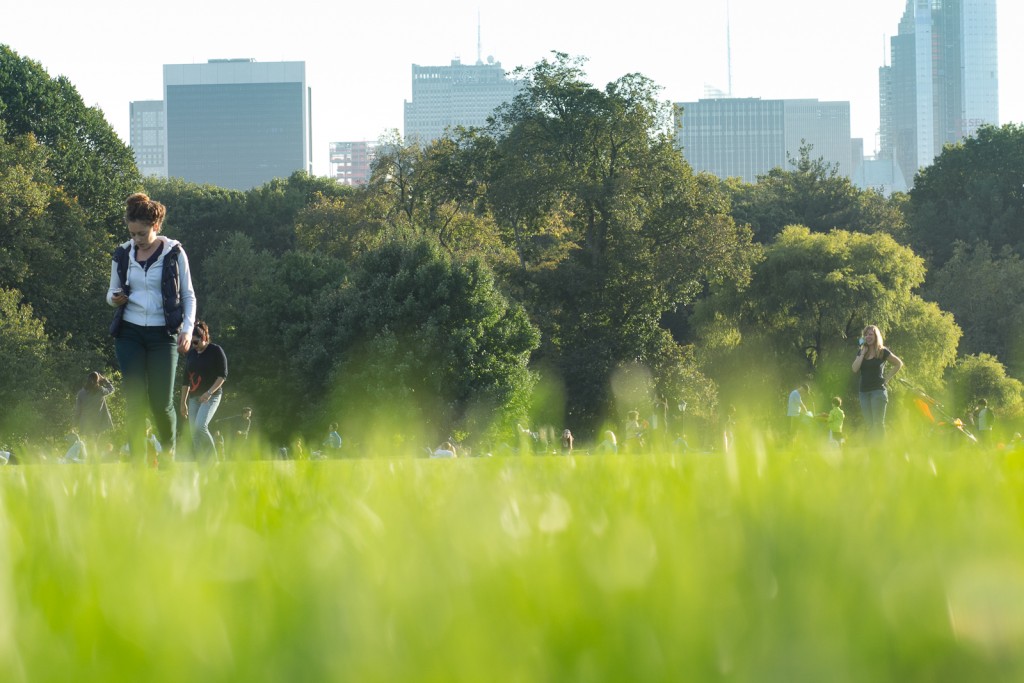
(457, 95)
(942, 83)
(237, 123)
(148, 134)
(746, 137)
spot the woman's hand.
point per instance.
(119, 299)
(184, 342)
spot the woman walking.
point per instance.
(151, 286)
(876, 365)
(206, 369)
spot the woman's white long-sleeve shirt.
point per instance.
(145, 305)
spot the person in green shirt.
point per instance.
(835, 422)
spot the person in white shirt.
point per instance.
(151, 286)
(796, 411)
(76, 452)
(445, 450)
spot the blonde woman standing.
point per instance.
(876, 365)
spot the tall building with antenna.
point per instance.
(942, 81)
(746, 137)
(444, 97)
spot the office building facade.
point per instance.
(148, 136)
(747, 137)
(444, 97)
(237, 123)
(942, 81)
(351, 162)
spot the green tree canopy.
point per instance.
(985, 293)
(41, 227)
(30, 386)
(260, 307)
(86, 158)
(203, 214)
(974, 191)
(813, 194)
(983, 376)
(423, 343)
(434, 191)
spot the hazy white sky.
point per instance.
(359, 56)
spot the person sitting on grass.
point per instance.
(76, 453)
(333, 441)
(445, 450)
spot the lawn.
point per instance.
(890, 564)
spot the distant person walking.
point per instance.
(984, 420)
(206, 369)
(151, 287)
(797, 412)
(92, 416)
(567, 441)
(634, 441)
(876, 365)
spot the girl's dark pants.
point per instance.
(148, 357)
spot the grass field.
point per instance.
(764, 566)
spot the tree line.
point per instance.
(561, 265)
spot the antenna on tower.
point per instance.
(478, 51)
(728, 43)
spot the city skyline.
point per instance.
(360, 78)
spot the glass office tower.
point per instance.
(237, 123)
(942, 81)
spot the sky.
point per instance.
(358, 55)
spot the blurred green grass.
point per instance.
(758, 566)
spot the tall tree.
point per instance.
(638, 233)
(87, 158)
(41, 227)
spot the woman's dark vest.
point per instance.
(170, 288)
